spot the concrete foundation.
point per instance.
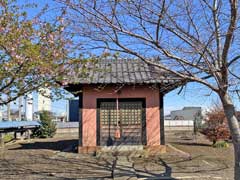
(155, 150)
(88, 149)
(149, 150)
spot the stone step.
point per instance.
(122, 148)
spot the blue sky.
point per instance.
(193, 95)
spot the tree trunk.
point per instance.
(234, 129)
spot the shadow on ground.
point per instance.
(60, 145)
(179, 167)
(42, 166)
(167, 174)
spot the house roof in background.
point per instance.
(124, 71)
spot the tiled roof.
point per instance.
(123, 71)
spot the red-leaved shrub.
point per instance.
(216, 126)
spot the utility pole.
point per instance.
(20, 105)
(67, 110)
(29, 107)
(33, 117)
(1, 114)
(9, 112)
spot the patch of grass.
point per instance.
(8, 137)
(221, 144)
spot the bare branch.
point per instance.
(230, 31)
(233, 60)
(160, 16)
(217, 33)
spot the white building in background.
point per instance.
(44, 102)
(187, 113)
(29, 107)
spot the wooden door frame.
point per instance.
(143, 100)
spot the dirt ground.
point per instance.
(187, 158)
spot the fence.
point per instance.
(170, 125)
(67, 128)
(179, 125)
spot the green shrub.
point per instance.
(8, 137)
(221, 144)
(47, 128)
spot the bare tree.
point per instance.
(195, 40)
